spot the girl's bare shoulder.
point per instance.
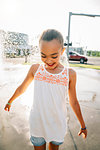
(34, 68)
(72, 73)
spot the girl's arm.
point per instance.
(74, 102)
(21, 89)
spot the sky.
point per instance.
(34, 16)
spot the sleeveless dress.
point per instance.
(48, 115)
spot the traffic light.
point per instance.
(70, 44)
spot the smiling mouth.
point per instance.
(50, 64)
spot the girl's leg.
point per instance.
(53, 146)
(39, 143)
(42, 147)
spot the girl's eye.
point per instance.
(54, 57)
(43, 56)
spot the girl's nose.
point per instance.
(49, 61)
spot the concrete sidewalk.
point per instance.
(88, 88)
(14, 127)
(92, 119)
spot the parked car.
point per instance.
(74, 56)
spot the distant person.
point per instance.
(48, 121)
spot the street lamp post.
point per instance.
(68, 37)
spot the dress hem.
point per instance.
(50, 140)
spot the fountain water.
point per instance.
(1, 54)
(2, 121)
(15, 122)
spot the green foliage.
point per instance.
(85, 66)
(98, 54)
(93, 53)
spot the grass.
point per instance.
(28, 63)
(76, 65)
(85, 66)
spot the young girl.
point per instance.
(51, 80)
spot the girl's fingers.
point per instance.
(84, 133)
(80, 133)
(7, 108)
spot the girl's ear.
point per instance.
(62, 50)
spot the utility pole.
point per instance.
(70, 14)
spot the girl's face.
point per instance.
(50, 53)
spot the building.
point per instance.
(77, 49)
(16, 44)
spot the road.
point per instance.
(94, 61)
(91, 61)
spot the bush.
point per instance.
(93, 53)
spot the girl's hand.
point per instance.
(83, 132)
(7, 107)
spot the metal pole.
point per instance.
(88, 15)
(68, 37)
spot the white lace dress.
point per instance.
(48, 116)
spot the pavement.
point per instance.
(91, 61)
(88, 93)
(14, 127)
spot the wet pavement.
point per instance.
(88, 93)
(14, 127)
